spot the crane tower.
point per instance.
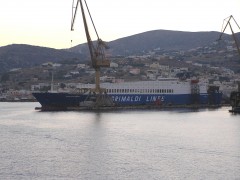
(97, 53)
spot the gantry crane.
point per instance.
(97, 54)
(235, 95)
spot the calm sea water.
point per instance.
(176, 144)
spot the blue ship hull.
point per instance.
(64, 100)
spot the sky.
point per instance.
(47, 22)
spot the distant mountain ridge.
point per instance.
(164, 39)
(21, 56)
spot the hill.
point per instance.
(164, 39)
(23, 56)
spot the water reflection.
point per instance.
(153, 144)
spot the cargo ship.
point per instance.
(164, 92)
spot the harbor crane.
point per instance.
(235, 95)
(228, 19)
(97, 52)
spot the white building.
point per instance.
(113, 65)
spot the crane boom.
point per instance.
(97, 53)
(233, 34)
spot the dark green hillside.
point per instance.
(22, 56)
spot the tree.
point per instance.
(5, 77)
(62, 85)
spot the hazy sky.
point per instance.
(47, 22)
